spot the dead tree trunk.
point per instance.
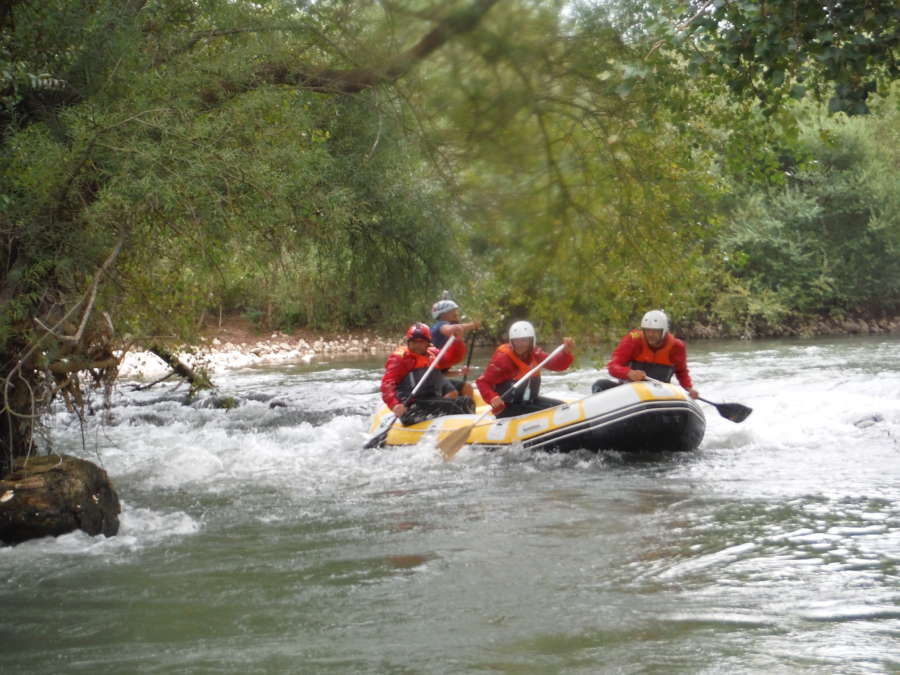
(196, 379)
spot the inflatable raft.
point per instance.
(633, 417)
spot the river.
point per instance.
(263, 539)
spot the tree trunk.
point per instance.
(17, 419)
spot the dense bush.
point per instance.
(827, 242)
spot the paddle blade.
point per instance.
(734, 411)
(377, 441)
(450, 444)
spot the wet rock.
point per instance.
(868, 421)
(258, 396)
(218, 402)
(54, 495)
(149, 418)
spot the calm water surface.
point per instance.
(264, 540)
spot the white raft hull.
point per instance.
(633, 417)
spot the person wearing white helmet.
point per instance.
(447, 323)
(649, 352)
(513, 360)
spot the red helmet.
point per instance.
(418, 331)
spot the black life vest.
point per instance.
(431, 388)
(528, 391)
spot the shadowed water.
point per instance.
(262, 539)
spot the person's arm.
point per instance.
(562, 360)
(471, 325)
(622, 356)
(497, 371)
(454, 354)
(679, 358)
(394, 372)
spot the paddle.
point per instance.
(452, 442)
(469, 359)
(735, 412)
(730, 411)
(378, 440)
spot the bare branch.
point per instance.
(355, 80)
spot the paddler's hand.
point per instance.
(637, 375)
(569, 344)
(693, 393)
(497, 404)
(454, 329)
(399, 410)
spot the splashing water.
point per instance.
(264, 539)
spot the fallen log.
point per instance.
(197, 380)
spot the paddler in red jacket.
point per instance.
(403, 370)
(513, 360)
(650, 352)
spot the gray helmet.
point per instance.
(442, 306)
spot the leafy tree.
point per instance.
(148, 147)
(827, 242)
(776, 50)
(583, 202)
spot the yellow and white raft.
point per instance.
(633, 417)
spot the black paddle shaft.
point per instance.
(469, 359)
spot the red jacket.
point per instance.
(634, 347)
(503, 368)
(454, 354)
(400, 364)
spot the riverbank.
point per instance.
(237, 343)
(809, 328)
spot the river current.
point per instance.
(264, 539)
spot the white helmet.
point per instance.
(521, 329)
(442, 306)
(656, 319)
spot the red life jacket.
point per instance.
(421, 360)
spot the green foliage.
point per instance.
(584, 204)
(310, 208)
(828, 242)
(777, 51)
(588, 172)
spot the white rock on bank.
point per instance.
(147, 366)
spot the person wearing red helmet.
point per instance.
(650, 352)
(403, 370)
